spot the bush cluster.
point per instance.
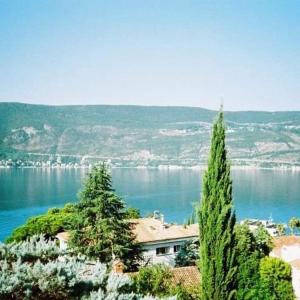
(38, 269)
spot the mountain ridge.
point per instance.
(147, 106)
(131, 135)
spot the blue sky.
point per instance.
(245, 54)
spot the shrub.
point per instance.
(50, 223)
(132, 213)
(157, 280)
(293, 224)
(276, 279)
(154, 280)
(191, 292)
(38, 269)
(263, 240)
(251, 248)
(34, 248)
(188, 254)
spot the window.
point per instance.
(162, 250)
(176, 248)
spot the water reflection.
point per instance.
(257, 193)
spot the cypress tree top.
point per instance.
(216, 222)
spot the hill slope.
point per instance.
(139, 135)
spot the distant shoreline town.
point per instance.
(57, 164)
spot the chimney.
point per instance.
(162, 219)
(118, 266)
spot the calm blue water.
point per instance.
(257, 193)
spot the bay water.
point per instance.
(257, 193)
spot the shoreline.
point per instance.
(160, 167)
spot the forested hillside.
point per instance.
(140, 135)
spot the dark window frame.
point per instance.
(162, 251)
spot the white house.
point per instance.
(160, 242)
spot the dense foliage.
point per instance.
(188, 255)
(217, 220)
(153, 280)
(275, 278)
(33, 249)
(259, 276)
(38, 269)
(281, 228)
(157, 280)
(248, 256)
(294, 223)
(50, 223)
(132, 213)
(102, 230)
(263, 241)
(55, 220)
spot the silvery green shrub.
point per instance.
(36, 247)
(38, 269)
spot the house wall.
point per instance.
(150, 256)
(63, 245)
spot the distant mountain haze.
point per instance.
(144, 135)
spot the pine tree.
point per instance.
(216, 223)
(103, 232)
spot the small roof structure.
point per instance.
(149, 230)
(187, 276)
(63, 236)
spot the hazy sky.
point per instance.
(147, 52)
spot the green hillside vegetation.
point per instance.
(50, 223)
(139, 135)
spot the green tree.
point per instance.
(188, 254)
(248, 257)
(216, 222)
(275, 279)
(103, 232)
(132, 213)
(153, 280)
(298, 224)
(193, 217)
(281, 229)
(263, 240)
(49, 224)
(159, 281)
(293, 224)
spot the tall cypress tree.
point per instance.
(216, 223)
(103, 231)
